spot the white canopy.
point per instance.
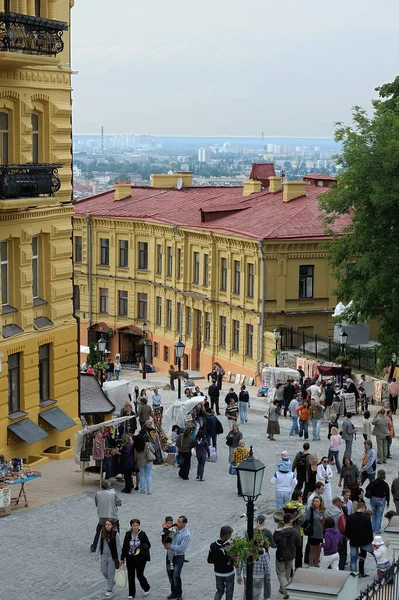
(176, 414)
(84, 349)
(273, 375)
(118, 392)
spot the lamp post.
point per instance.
(179, 352)
(277, 336)
(250, 475)
(144, 341)
(343, 338)
(102, 345)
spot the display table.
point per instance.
(22, 492)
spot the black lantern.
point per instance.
(179, 352)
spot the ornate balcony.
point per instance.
(28, 181)
(32, 36)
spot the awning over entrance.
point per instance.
(131, 329)
(100, 327)
(57, 419)
(28, 431)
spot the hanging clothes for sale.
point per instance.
(98, 446)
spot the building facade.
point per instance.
(38, 344)
(219, 267)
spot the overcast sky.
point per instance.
(229, 67)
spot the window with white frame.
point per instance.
(123, 303)
(158, 310)
(103, 300)
(236, 335)
(222, 331)
(35, 267)
(249, 340)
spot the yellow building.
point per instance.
(220, 267)
(38, 346)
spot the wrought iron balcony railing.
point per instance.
(30, 35)
(28, 180)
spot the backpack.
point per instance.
(219, 427)
(301, 462)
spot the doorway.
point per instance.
(197, 338)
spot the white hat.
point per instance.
(284, 454)
(378, 541)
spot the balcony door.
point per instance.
(4, 138)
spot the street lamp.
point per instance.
(250, 477)
(102, 345)
(179, 352)
(144, 341)
(277, 336)
(343, 338)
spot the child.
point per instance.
(168, 533)
(366, 426)
(381, 554)
(347, 504)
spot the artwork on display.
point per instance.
(350, 402)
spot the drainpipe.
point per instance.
(89, 266)
(261, 329)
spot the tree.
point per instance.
(363, 254)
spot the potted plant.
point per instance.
(242, 549)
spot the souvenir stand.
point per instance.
(13, 472)
(271, 376)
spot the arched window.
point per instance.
(3, 138)
(35, 137)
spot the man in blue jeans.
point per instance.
(243, 401)
(359, 532)
(178, 546)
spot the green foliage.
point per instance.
(275, 352)
(100, 366)
(363, 255)
(177, 374)
(242, 549)
(94, 355)
(343, 360)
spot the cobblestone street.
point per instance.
(45, 550)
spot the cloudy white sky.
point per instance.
(229, 67)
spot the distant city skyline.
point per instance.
(227, 69)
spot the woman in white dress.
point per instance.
(324, 474)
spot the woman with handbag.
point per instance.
(273, 427)
(185, 443)
(313, 528)
(136, 552)
(109, 549)
(350, 477)
(144, 456)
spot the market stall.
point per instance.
(13, 472)
(271, 376)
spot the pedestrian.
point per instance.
(333, 422)
(117, 367)
(369, 465)
(314, 391)
(284, 481)
(202, 451)
(288, 394)
(243, 403)
(233, 439)
(391, 435)
(144, 411)
(239, 454)
(267, 534)
(300, 464)
(359, 531)
(136, 553)
(333, 452)
(324, 474)
(130, 425)
(318, 493)
(219, 371)
(329, 394)
(109, 550)
(380, 551)
(273, 427)
(314, 517)
(279, 395)
(350, 477)
(347, 504)
(144, 456)
(222, 564)
(336, 513)
(293, 405)
(364, 399)
(348, 433)
(287, 540)
(214, 393)
(393, 390)
(110, 369)
(231, 412)
(231, 395)
(316, 414)
(337, 407)
(378, 492)
(185, 443)
(301, 374)
(395, 492)
(311, 475)
(260, 572)
(366, 426)
(156, 399)
(330, 545)
(127, 462)
(178, 546)
(172, 374)
(381, 432)
(168, 533)
(197, 392)
(107, 503)
(297, 510)
(136, 397)
(303, 412)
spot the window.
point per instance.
(206, 270)
(142, 306)
(169, 314)
(35, 267)
(196, 267)
(156, 349)
(103, 300)
(250, 280)
(3, 138)
(306, 281)
(104, 255)
(35, 138)
(223, 274)
(166, 353)
(78, 248)
(222, 337)
(188, 320)
(249, 344)
(13, 383)
(37, 8)
(169, 263)
(159, 259)
(44, 372)
(4, 272)
(159, 310)
(76, 297)
(123, 303)
(179, 317)
(143, 255)
(123, 253)
(207, 327)
(236, 336)
(178, 264)
(237, 276)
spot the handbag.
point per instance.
(308, 525)
(368, 492)
(233, 469)
(150, 454)
(121, 577)
(229, 440)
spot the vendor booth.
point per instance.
(14, 473)
(271, 376)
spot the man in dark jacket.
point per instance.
(214, 393)
(231, 395)
(289, 392)
(359, 531)
(287, 540)
(222, 564)
(211, 428)
(301, 462)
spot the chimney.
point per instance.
(251, 187)
(275, 184)
(169, 180)
(123, 189)
(293, 189)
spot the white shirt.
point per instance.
(315, 392)
(284, 482)
(324, 474)
(156, 400)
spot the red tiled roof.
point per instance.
(266, 215)
(319, 176)
(261, 172)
